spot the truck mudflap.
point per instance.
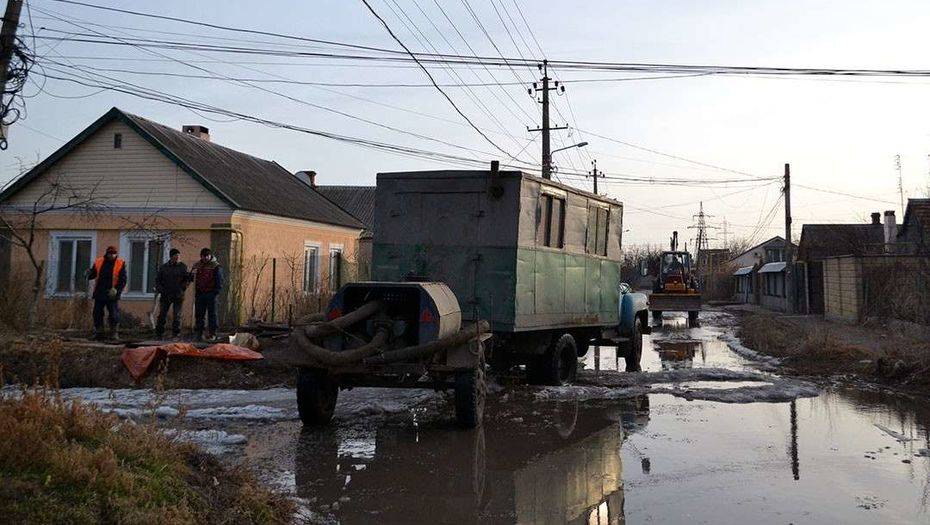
(667, 302)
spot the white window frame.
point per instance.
(334, 248)
(51, 270)
(125, 240)
(316, 271)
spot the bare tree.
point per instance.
(22, 222)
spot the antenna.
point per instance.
(897, 165)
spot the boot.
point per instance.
(114, 334)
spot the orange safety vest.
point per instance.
(117, 268)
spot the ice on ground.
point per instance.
(897, 435)
(729, 386)
(766, 362)
(215, 442)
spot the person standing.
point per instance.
(170, 283)
(207, 275)
(109, 271)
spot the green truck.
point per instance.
(529, 266)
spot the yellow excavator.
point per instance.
(675, 288)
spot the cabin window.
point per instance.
(117, 140)
(144, 252)
(311, 267)
(550, 230)
(598, 225)
(72, 255)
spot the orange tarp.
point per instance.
(140, 360)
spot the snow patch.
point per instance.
(766, 362)
(215, 442)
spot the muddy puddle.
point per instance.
(611, 450)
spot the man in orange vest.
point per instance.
(110, 273)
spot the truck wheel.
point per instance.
(656, 318)
(316, 396)
(693, 320)
(469, 398)
(635, 355)
(558, 366)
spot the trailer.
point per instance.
(469, 268)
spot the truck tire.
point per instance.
(469, 398)
(316, 396)
(693, 321)
(557, 366)
(635, 354)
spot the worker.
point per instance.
(170, 284)
(109, 271)
(675, 266)
(207, 276)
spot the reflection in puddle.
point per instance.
(561, 465)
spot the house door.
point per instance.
(815, 286)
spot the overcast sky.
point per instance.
(837, 134)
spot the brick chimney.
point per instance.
(308, 177)
(891, 231)
(876, 218)
(201, 132)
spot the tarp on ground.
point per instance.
(140, 360)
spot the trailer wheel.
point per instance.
(469, 398)
(557, 366)
(635, 355)
(316, 396)
(693, 320)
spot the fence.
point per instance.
(877, 286)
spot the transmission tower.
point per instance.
(701, 242)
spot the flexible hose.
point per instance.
(425, 350)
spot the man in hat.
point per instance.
(170, 283)
(109, 271)
(207, 276)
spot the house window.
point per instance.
(144, 252)
(598, 225)
(550, 230)
(774, 255)
(335, 268)
(311, 267)
(775, 284)
(71, 254)
(117, 140)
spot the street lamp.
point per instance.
(579, 145)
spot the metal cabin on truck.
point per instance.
(532, 263)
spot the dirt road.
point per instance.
(705, 436)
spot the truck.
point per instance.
(675, 287)
(474, 269)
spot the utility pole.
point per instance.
(789, 257)
(7, 44)
(594, 175)
(546, 128)
(897, 166)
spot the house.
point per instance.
(760, 274)
(914, 234)
(151, 188)
(819, 241)
(360, 202)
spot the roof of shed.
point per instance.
(241, 180)
(919, 209)
(828, 240)
(357, 200)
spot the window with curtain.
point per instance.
(311, 268)
(73, 256)
(143, 253)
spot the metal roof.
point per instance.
(357, 200)
(745, 270)
(773, 267)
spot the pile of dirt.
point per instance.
(67, 462)
(811, 346)
(84, 364)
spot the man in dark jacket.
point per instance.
(207, 276)
(110, 273)
(170, 283)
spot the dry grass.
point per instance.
(67, 462)
(820, 348)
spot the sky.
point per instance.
(838, 134)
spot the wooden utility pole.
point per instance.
(594, 175)
(7, 44)
(789, 256)
(546, 128)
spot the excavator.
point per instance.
(675, 288)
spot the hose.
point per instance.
(345, 357)
(425, 350)
(339, 324)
